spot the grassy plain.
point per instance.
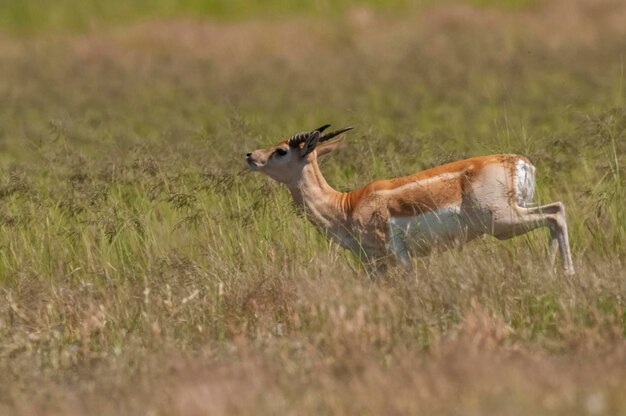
(32, 16)
(142, 271)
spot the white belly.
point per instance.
(419, 234)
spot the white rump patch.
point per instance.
(524, 182)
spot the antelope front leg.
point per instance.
(397, 250)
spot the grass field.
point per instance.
(143, 271)
(32, 16)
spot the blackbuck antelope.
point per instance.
(395, 219)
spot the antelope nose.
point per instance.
(248, 155)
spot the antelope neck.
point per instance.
(321, 202)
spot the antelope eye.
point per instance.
(281, 152)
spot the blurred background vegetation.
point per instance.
(28, 16)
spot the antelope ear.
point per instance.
(330, 146)
(310, 143)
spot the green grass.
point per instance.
(143, 271)
(28, 16)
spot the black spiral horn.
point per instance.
(335, 133)
(297, 139)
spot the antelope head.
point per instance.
(285, 161)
